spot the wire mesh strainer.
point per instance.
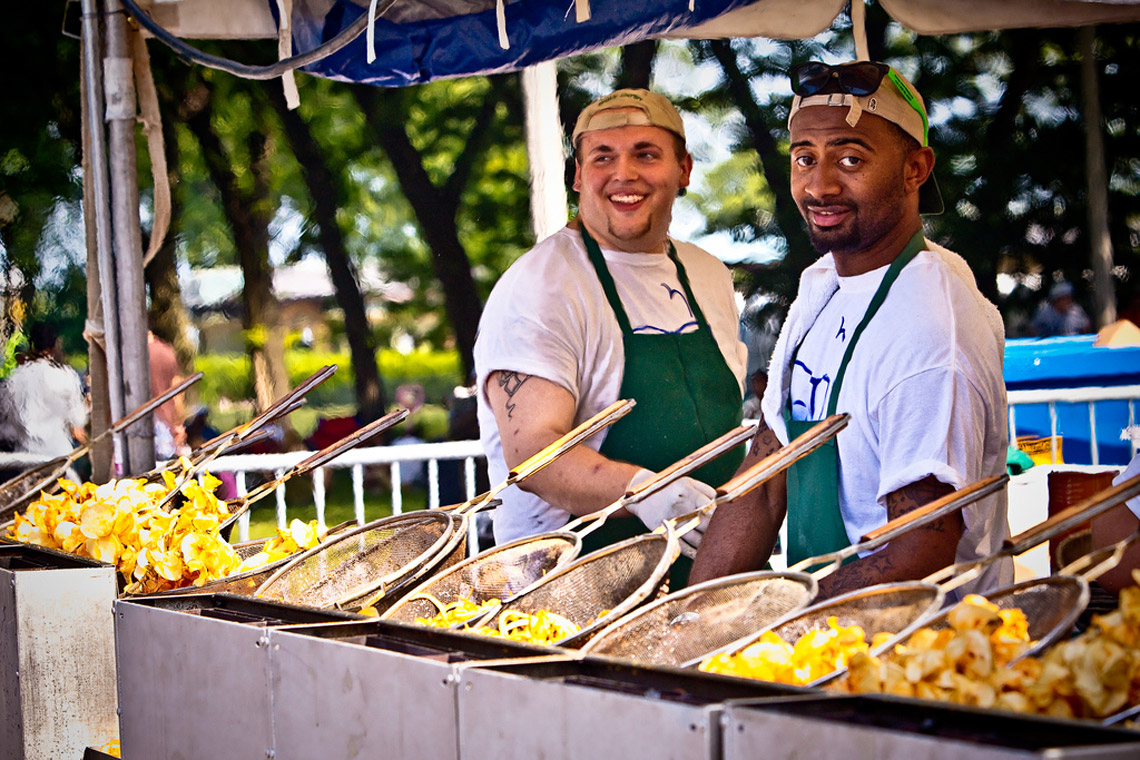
(528, 560)
(741, 605)
(947, 579)
(686, 624)
(610, 582)
(892, 608)
(381, 554)
(374, 565)
(498, 573)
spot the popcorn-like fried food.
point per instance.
(972, 663)
(813, 656)
(120, 523)
(297, 537)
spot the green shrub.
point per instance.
(229, 375)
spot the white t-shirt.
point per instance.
(924, 389)
(548, 316)
(40, 402)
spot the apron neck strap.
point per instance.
(912, 249)
(607, 280)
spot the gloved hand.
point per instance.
(678, 498)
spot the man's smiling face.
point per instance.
(628, 178)
(850, 183)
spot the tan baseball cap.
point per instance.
(897, 101)
(653, 110)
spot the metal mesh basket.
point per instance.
(600, 587)
(894, 608)
(686, 624)
(1051, 606)
(498, 573)
(382, 554)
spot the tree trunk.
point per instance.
(250, 228)
(800, 251)
(1096, 175)
(636, 65)
(436, 208)
(326, 196)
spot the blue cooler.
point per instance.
(1073, 362)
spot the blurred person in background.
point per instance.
(42, 405)
(1060, 315)
(170, 418)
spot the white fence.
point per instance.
(1087, 396)
(355, 460)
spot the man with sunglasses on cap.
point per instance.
(888, 328)
(608, 308)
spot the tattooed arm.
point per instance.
(911, 556)
(742, 533)
(531, 413)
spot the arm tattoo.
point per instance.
(510, 382)
(915, 495)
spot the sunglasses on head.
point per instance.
(859, 79)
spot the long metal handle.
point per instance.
(953, 576)
(595, 424)
(149, 406)
(675, 471)
(764, 470)
(1086, 509)
(536, 462)
(1099, 561)
(916, 518)
(330, 452)
(279, 408)
(783, 458)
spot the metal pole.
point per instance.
(118, 80)
(93, 95)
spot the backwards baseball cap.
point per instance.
(652, 110)
(868, 87)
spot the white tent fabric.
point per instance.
(797, 19)
(776, 19)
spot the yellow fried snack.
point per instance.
(297, 537)
(449, 615)
(814, 655)
(121, 523)
(1091, 676)
(543, 627)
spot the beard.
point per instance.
(869, 222)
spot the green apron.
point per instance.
(815, 523)
(686, 396)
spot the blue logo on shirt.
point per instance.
(673, 293)
(815, 382)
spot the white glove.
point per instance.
(680, 497)
(1131, 471)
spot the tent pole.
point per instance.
(127, 235)
(544, 149)
(97, 164)
(1100, 242)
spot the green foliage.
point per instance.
(228, 375)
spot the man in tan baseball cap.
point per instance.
(887, 328)
(609, 308)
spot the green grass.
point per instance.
(338, 503)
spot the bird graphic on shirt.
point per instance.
(673, 293)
